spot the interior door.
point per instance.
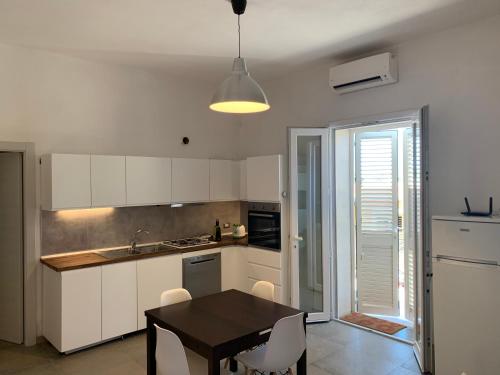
(309, 222)
(11, 249)
(376, 200)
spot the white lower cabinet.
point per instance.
(234, 268)
(119, 299)
(243, 266)
(154, 275)
(265, 265)
(86, 306)
(72, 307)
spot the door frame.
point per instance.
(422, 115)
(325, 135)
(30, 237)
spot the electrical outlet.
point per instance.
(227, 225)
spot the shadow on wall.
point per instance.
(64, 231)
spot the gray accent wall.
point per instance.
(65, 231)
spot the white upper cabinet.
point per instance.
(264, 178)
(243, 180)
(108, 180)
(65, 180)
(149, 180)
(224, 180)
(190, 180)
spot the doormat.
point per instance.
(376, 324)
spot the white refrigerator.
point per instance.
(466, 295)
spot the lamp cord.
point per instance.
(239, 37)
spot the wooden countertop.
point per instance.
(92, 259)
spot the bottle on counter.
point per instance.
(217, 231)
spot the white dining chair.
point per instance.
(263, 289)
(284, 348)
(171, 296)
(170, 355)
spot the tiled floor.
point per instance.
(333, 348)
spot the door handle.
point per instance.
(298, 238)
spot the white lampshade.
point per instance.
(239, 93)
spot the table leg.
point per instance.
(302, 364)
(213, 365)
(151, 348)
(233, 365)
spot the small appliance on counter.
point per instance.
(238, 231)
(264, 225)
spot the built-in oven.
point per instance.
(264, 225)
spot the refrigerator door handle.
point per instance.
(467, 260)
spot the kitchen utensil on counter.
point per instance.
(239, 231)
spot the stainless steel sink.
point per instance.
(128, 252)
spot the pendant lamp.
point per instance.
(239, 93)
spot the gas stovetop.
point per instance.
(188, 242)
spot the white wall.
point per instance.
(66, 104)
(456, 72)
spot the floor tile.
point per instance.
(319, 347)
(403, 371)
(333, 349)
(347, 362)
(412, 365)
(314, 370)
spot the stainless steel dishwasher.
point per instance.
(201, 275)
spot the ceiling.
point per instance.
(198, 37)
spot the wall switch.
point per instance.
(227, 225)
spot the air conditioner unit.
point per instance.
(361, 74)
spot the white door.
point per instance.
(309, 222)
(422, 268)
(376, 200)
(11, 251)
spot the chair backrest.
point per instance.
(170, 355)
(263, 289)
(286, 343)
(171, 296)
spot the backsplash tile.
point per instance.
(64, 233)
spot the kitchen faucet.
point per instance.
(133, 241)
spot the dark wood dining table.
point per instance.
(219, 326)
